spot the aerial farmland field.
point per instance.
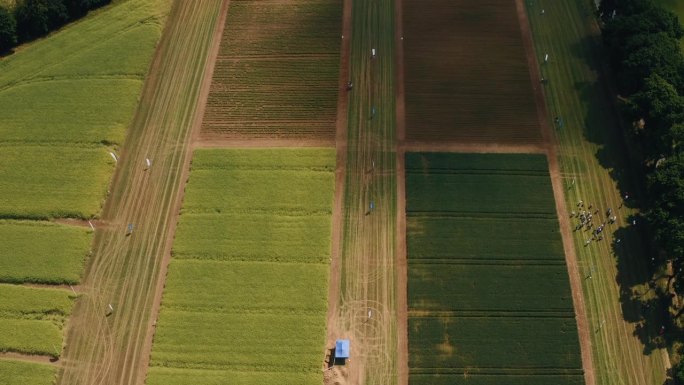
(277, 73)
(466, 75)
(67, 101)
(245, 297)
(488, 290)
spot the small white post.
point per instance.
(546, 58)
(91, 225)
(113, 156)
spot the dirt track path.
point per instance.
(559, 195)
(364, 273)
(125, 271)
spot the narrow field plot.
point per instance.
(30, 337)
(42, 252)
(483, 240)
(493, 342)
(505, 288)
(265, 159)
(501, 379)
(244, 191)
(26, 373)
(254, 237)
(466, 74)
(68, 111)
(253, 287)
(31, 319)
(248, 282)
(478, 187)
(241, 341)
(172, 376)
(514, 195)
(435, 162)
(34, 303)
(277, 71)
(41, 182)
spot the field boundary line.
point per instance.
(475, 148)
(166, 254)
(401, 254)
(557, 186)
(341, 123)
(37, 358)
(204, 141)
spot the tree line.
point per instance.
(31, 19)
(643, 42)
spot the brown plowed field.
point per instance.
(277, 71)
(466, 75)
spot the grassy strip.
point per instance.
(625, 341)
(26, 373)
(29, 252)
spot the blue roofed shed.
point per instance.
(342, 349)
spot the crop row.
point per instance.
(277, 71)
(488, 289)
(508, 379)
(26, 373)
(466, 73)
(498, 288)
(483, 239)
(245, 296)
(42, 252)
(31, 319)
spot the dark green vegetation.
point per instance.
(278, 71)
(488, 290)
(643, 40)
(29, 19)
(626, 345)
(245, 297)
(466, 74)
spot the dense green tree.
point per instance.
(651, 54)
(661, 108)
(8, 30)
(36, 18)
(666, 211)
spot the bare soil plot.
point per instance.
(277, 71)
(466, 75)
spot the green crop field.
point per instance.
(488, 290)
(29, 252)
(67, 101)
(31, 319)
(277, 71)
(26, 373)
(248, 280)
(466, 73)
